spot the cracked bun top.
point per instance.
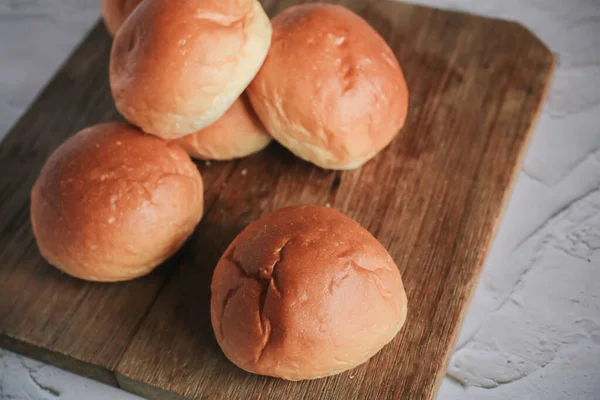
(116, 12)
(238, 133)
(330, 89)
(305, 292)
(176, 68)
(111, 203)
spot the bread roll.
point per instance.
(303, 293)
(116, 11)
(330, 90)
(176, 67)
(112, 203)
(237, 133)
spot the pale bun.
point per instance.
(305, 292)
(111, 203)
(330, 89)
(176, 67)
(236, 134)
(115, 12)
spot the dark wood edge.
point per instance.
(144, 390)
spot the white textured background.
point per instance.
(533, 331)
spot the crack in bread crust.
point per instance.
(267, 276)
(230, 293)
(263, 274)
(373, 277)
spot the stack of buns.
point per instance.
(303, 293)
(176, 67)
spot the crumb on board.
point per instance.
(327, 205)
(207, 163)
(244, 172)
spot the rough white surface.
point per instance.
(533, 331)
(25, 379)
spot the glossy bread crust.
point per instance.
(111, 203)
(305, 292)
(238, 133)
(331, 89)
(176, 69)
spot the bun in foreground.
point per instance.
(305, 292)
(111, 203)
(176, 67)
(330, 89)
(238, 133)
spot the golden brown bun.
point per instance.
(237, 133)
(330, 90)
(176, 68)
(303, 293)
(116, 12)
(112, 203)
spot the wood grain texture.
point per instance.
(434, 198)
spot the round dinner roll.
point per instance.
(117, 11)
(176, 67)
(111, 203)
(303, 293)
(236, 134)
(331, 89)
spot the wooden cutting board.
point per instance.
(434, 198)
